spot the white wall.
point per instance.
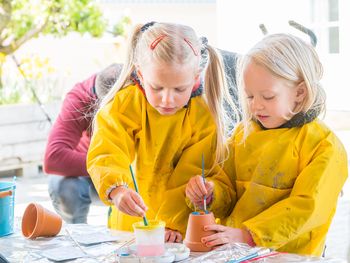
(238, 23)
(74, 57)
(201, 17)
(238, 30)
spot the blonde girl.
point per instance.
(164, 112)
(287, 166)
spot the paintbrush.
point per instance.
(205, 197)
(137, 191)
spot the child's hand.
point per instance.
(226, 235)
(128, 201)
(196, 190)
(172, 236)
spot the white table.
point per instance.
(18, 249)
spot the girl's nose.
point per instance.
(257, 104)
(167, 97)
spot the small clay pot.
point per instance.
(195, 231)
(40, 222)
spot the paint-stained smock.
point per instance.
(166, 152)
(288, 181)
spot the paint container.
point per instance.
(150, 238)
(7, 207)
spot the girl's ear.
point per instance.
(197, 76)
(301, 92)
(138, 72)
(197, 83)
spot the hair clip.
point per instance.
(146, 26)
(156, 41)
(190, 44)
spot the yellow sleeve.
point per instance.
(175, 209)
(312, 201)
(112, 148)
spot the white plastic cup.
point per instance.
(149, 239)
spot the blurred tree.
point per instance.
(21, 20)
(121, 28)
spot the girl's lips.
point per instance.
(262, 117)
(167, 109)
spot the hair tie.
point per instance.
(146, 26)
(204, 46)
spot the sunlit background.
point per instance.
(52, 65)
(228, 24)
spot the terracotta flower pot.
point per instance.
(195, 231)
(40, 222)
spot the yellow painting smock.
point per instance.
(287, 182)
(166, 152)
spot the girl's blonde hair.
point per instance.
(289, 58)
(179, 45)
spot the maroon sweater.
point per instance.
(69, 138)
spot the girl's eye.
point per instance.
(179, 90)
(250, 97)
(156, 89)
(269, 98)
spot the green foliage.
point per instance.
(80, 16)
(10, 96)
(20, 20)
(37, 75)
(121, 28)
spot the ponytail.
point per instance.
(216, 93)
(128, 67)
(125, 74)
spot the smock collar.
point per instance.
(297, 120)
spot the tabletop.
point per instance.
(99, 244)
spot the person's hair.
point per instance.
(177, 45)
(291, 59)
(104, 81)
(106, 78)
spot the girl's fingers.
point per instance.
(132, 205)
(139, 201)
(211, 238)
(210, 187)
(199, 186)
(196, 192)
(217, 239)
(172, 237)
(166, 237)
(217, 242)
(217, 228)
(125, 209)
(194, 189)
(178, 237)
(190, 193)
